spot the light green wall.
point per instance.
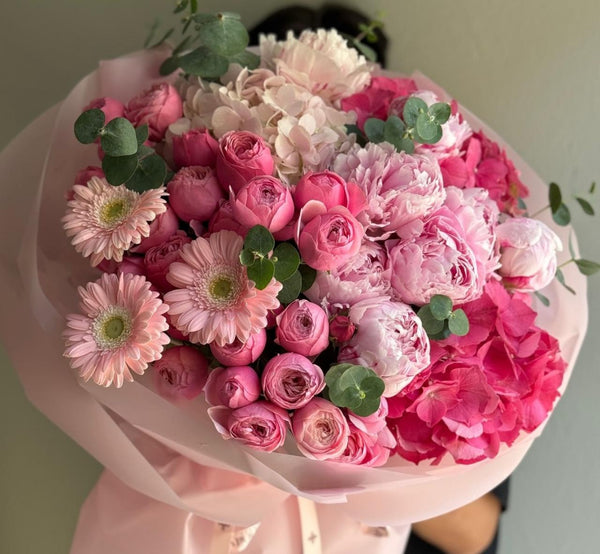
(528, 68)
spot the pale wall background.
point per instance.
(531, 69)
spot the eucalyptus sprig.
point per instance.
(440, 320)
(355, 387)
(367, 32)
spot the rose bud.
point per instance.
(223, 220)
(161, 229)
(181, 372)
(320, 429)
(326, 187)
(291, 380)
(133, 265)
(241, 156)
(82, 178)
(263, 201)
(527, 253)
(260, 425)
(341, 328)
(272, 316)
(303, 328)
(232, 387)
(194, 193)
(158, 259)
(240, 353)
(196, 147)
(330, 239)
(110, 107)
(156, 107)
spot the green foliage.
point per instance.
(458, 323)
(204, 62)
(308, 276)
(439, 320)
(118, 138)
(292, 287)
(355, 387)
(585, 206)
(543, 299)
(88, 126)
(259, 240)
(286, 259)
(261, 272)
(562, 216)
(587, 267)
(374, 129)
(560, 277)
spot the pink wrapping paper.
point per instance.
(169, 468)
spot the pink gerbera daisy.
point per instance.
(104, 220)
(120, 330)
(214, 300)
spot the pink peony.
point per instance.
(180, 373)
(330, 239)
(303, 328)
(195, 147)
(439, 261)
(194, 193)
(240, 353)
(160, 230)
(232, 387)
(321, 430)
(527, 253)
(158, 259)
(263, 201)
(241, 156)
(390, 340)
(111, 108)
(120, 330)
(157, 107)
(260, 425)
(291, 380)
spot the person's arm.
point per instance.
(466, 530)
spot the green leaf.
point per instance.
(353, 376)
(169, 65)
(365, 50)
(521, 204)
(560, 277)
(585, 205)
(291, 289)
(562, 216)
(554, 197)
(587, 267)
(261, 272)
(413, 107)
(162, 39)
(406, 145)
(246, 59)
(194, 6)
(428, 132)
(203, 62)
(286, 260)
(440, 307)
(223, 34)
(444, 334)
(335, 372)
(181, 5)
(353, 129)
(141, 134)
(367, 407)
(571, 247)
(118, 138)
(431, 325)
(119, 169)
(458, 323)
(247, 257)
(543, 299)
(308, 276)
(350, 397)
(593, 187)
(374, 129)
(440, 112)
(151, 173)
(393, 131)
(259, 240)
(88, 125)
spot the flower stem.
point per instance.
(540, 211)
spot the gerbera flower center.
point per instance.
(112, 328)
(114, 211)
(221, 288)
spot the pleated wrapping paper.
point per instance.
(172, 484)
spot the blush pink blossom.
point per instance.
(341, 328)
(330, 190)
(240, 353)
(84, 175)
(111, 108)
(194, 193)
(303, 328)
(367, 449)
(321, 430)
(180, 373)
(291, 380)
(232, 387)
(134, 265)
(158, 259)
(161, 229)
(194, 147)
(223, 220)
(157, 107)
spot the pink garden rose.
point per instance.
(157, 107)
(527, 253)
(158, 259)
(84, 175)
(232, 387)
(195, 147)
(263, 201)
(321, 430)
(134, 265)
(194, 193)
(341, 328)
(161, 229)
(367, 449)
(240, 353)
(330, 239)
(224, 220)
(329, 189)
(291, 380)
(111, 108)
(181, 372)
(241, 156)
(303, 328)
(260, 425)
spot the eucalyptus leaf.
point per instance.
(440, 112)
(365, 50)
(181, 46)
(431, 325)
(162, 39)
(259, 240)
(585, 205)
(169, 65)
(367, 407)
(413, 107)
(120, 169)
(261, 272)
(291, 289)
(587, 267)
(560, 277)
(562, 216)
(374, 129)
(149, 174)
(88, 125)
(593, 187)
(350, 398)
(353, 376)
(543, 299)
(141, 135)
(309, 275)
(118, 138)
(224, 34)
(247, 257)
(440, 306)
(554, 197)
(335, 372)
(393, 131)
(246, 59)
(203, 62)
(406, 145)
(427, 129)
(444, 334)
(521, 204)
(286, 260)
(458, 323)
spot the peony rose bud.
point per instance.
(240, 353)
(156, 107)
(133, 265)
(159, 258)
(527, 253)
(242, 155)
(181, 372)
(321, 430)
(328, 240)
(326, 187)
(303, 328)
(232, 387)
(84, 175)
(161, 229)
(263, 201)
(223, 220)
(341, 328)
(194, 193)
(110, 107)
(196, 147)
(260, 425)
(291, 380)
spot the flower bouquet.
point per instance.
(296, 293)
